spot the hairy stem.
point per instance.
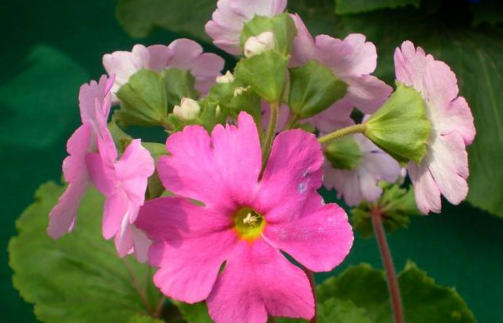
(310, 275)
(136, 284)
(357, 128)
(394, 289)
(269, 137)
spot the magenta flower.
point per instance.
(183, 54)
(352, 60)
(123, 181)
(231, 15)
(94, 103)
(361, 183)
(244, 221)
(444, 169)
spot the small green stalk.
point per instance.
(269, 137)
(358, 128)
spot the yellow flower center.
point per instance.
(249, 224)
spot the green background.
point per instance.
(49, 48)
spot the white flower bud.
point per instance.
(227, 78)
(188, 110)
(259, 44)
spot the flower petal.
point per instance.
(192, 244)
(292, 173)
(426, 190)
(319, 240)
(367, 93)
(227, 168)
(257, 281)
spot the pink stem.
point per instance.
(387, 260)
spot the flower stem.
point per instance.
(394, 289)
(291, 122)
(357, 128)
(310, 275)
(269, 137)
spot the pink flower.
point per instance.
(444, 169)
(243, 221)
(94, 102)
(123, 181)
(183, 54)
(352, 60)
(231, 15)
(361, 182)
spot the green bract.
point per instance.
(149, 96)
(400, 127)
(143, 100)
(78, 278)
(314, 88)
(282, 26)
(265, 73)
(396, 204)
(344, 153)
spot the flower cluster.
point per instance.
(235, 186)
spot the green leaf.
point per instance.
(155, 187)
(143, 100)
(335, 311)
(78, 278)
(140, 17)
(282, 26)
(475, 57)
(313, 89)
(423, 300)
(265, 73)
(400, 126)
(344, 7)
(197, 313)
(144, 319)
(344, 153)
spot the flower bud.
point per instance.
(189, 109)
(256, 45)
(225, 79)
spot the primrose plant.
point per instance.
(235, 186)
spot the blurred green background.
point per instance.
(51, 47)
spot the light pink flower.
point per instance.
(94, 102)
(183, 54)
(361, 182)
(351, 59)
(231, 15)
(193, 241)
(444, 169)
(123, 181)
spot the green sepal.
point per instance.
(236, 97)
(265, 73)
(282, 26)
(313, 89)
(211, 114)
(143, 100)
(148, 96)
(344, 153)
(397, 205)
(155, 187)
(194, 312)
(400, 127)
(178, 85)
